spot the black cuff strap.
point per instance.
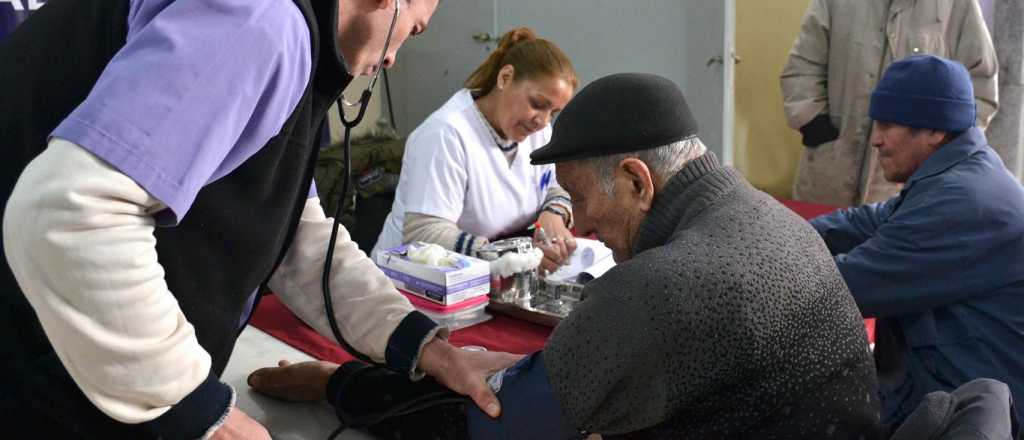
(819, 131)
(337, 383)
(390, 405)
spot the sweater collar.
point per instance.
(689, 192)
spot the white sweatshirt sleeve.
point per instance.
(367, 307)
(78, 236)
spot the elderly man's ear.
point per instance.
(639, 182)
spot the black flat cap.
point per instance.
(619, 113)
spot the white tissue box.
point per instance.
(470, 278)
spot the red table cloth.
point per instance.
(501, 333)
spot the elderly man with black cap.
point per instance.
(724, 318)
(942, 263)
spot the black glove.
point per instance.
(390, 405)
(819, 131)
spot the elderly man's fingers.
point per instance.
(301, 382)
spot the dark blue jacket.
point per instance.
(943, 264)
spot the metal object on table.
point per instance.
(525, 295)
(519, 287)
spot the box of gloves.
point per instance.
(435, 273)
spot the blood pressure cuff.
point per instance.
(529, 408)
(391, 406)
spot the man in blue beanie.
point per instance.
(941, 265)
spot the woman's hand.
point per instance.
(559, 245)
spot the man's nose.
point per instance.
(875, 137)
(876, 142)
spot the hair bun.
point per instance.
(515, 36)
(530, 56)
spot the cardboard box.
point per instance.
(470, 278)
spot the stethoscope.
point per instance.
(364, 101)
(420, 402)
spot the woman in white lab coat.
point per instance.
(466, 174)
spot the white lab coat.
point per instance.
(453, 169)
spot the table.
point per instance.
(501, 333)
(262, 346)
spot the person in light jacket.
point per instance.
(842, 49)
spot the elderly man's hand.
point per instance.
(466, 372)
(301, 382)
(560, 245)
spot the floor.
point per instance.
(286, 421)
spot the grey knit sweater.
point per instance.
(731, 321)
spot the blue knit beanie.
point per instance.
(925, 91)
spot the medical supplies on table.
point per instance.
(449, 288)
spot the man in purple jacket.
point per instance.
(158, 173)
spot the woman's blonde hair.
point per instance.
(531, 57)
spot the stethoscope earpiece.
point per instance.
(376, 74)
(364, 101)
